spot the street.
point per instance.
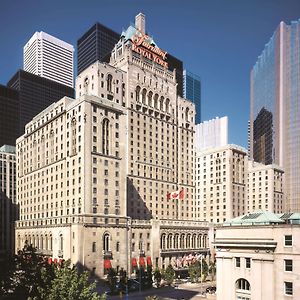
(187, 291)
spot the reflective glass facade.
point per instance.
(192, 91)
(275, 110)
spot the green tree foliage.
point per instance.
(169, 274)
(157, 276)
(31, 277)
(195, 271)
(212, 270)
(69, 284)
(112, 279)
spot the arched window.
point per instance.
(188, 241)
(137, 94)
(176, 241)
(163, 242)
(187, 114)
(194, 241)
(169, 241)
(105, 136)
(156, 101)
(109, 83)
(106, 238)
(144, 92)
(161, 103)
(150, 94)
(182, 239)
(168, 105)
(42, 242)
(51, 242)
(199, 239)
(242, 289)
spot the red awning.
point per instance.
(149, 261)
(142, 261)
(107, 264)
(134, 262)
(55, 260)
(61, 261)
(50, 260)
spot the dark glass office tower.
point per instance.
(192, 91)
(35, 94)
(95, 45)
(9, 101)
(175, 63)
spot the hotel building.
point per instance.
(94, 174)
(258, 257)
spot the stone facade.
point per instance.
(94, 173)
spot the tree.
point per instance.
(112, 279)
(123, 279)
(25, 278)
(69, 284)
(195, 271)
(169, 274)
(212, 269)
(157, 276)
(149, 276)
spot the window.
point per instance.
(288, 265)
(237, 262)
(106, 238)
(105, 137)
(288, 288)
(94, 247)
(248, 263)
(242, 289)
(288, 240)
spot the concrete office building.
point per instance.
(7, 200)
(265, 188)
(49, 57)
(221, 183)
(192, 91)
(274, 115)
(211, 134)
(257, 257)
(98, 175)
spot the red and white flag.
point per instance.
(175, 195)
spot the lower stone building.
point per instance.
(258, 257)
(119, 243)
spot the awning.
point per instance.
(149, 261)
(134, 262)
(142, 261)
(50, 260)
(107, 264)
(55, 260)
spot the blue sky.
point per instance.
(219, 40)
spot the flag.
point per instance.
(142, 261)
(107, 264)
(175, 195)
(134, 263)
(149, 261)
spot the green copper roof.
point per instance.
(8, 149)
(131, 31)
(259, 217)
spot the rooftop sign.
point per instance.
(141, 45)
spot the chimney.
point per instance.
(140, 22)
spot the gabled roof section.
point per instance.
(131, 31)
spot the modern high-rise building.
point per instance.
(49, 57)
(211, 134)
(9, 107)
(192, 91)
(98, 42)
(8, 211)
(274, 111)
(112, 170)
(35, 93)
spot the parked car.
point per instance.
(211, 289)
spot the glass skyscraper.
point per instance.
(275, 108)
(192, 91)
